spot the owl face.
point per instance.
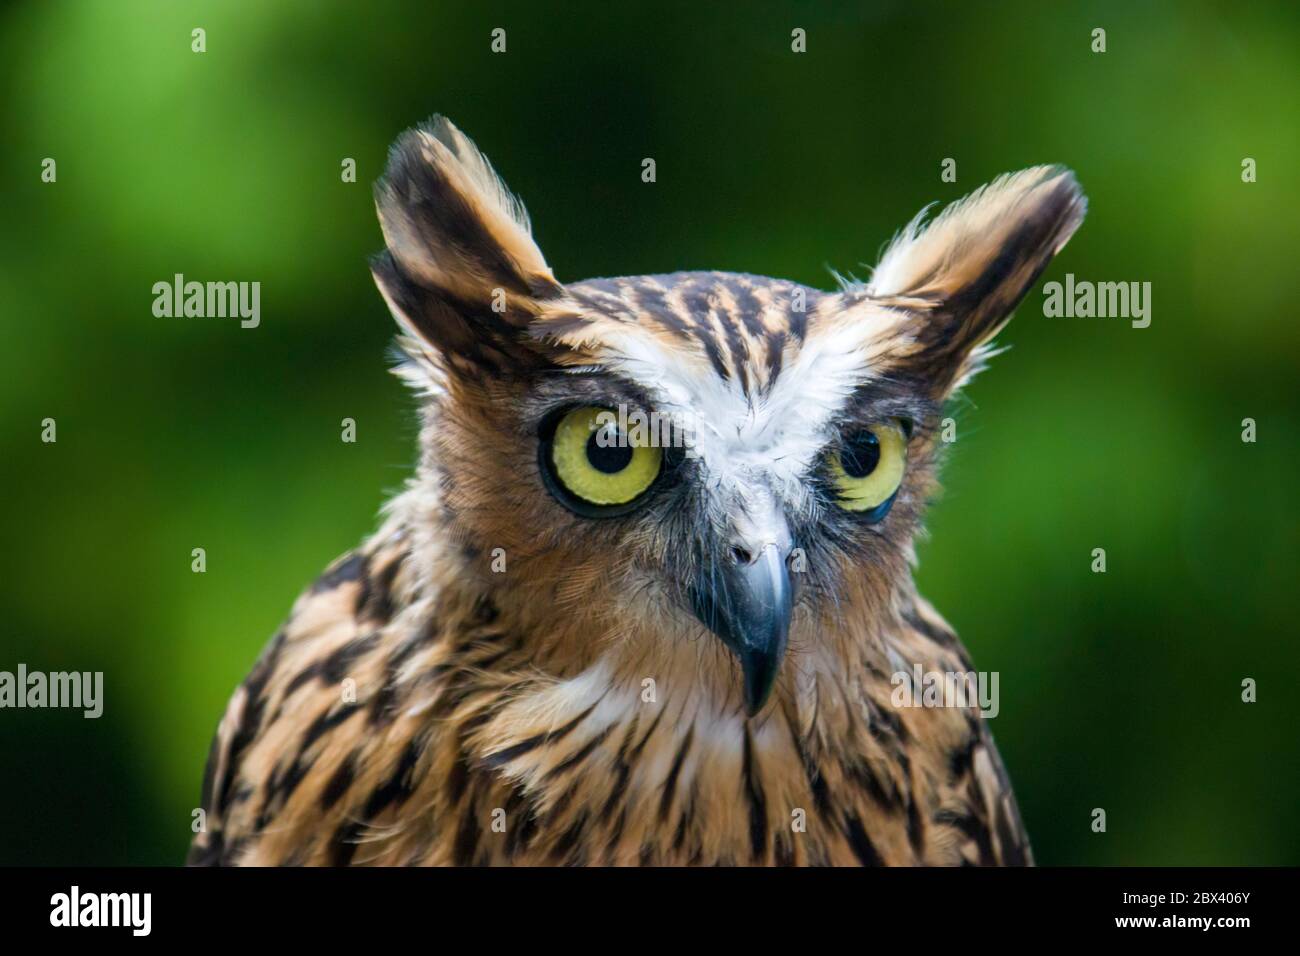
(702, 453)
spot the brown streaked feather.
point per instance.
(451, 724)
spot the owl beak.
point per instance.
(748, 605)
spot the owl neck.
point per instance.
(624, 724)
(563, 654)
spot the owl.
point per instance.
(647, 598)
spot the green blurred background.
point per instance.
(1119, 691)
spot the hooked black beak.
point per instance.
(748, 605)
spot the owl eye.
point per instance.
(867, 469)
(594, 468)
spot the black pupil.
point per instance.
(860, 455)
(606, 453)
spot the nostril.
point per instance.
(740, 555)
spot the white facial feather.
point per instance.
(768, 437)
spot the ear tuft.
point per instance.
(1037, 210)
(461, 270)
(451, 223)
(961, 276)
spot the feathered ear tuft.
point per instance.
(461, 270)
(959, 278)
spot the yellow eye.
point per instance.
(594, 463)
(868, 468)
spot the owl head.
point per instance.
(707, 476)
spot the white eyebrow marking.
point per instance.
(776, 434)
